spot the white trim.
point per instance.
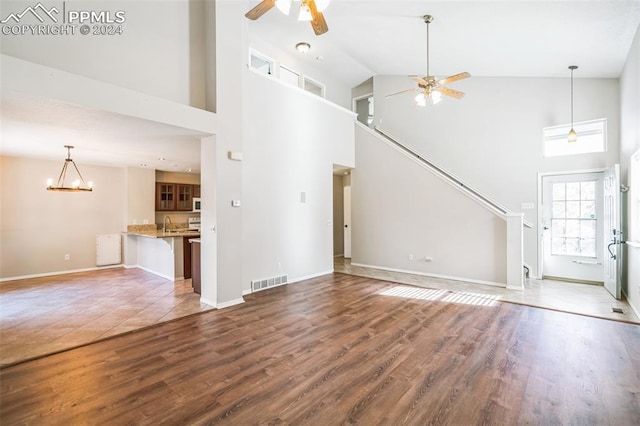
(229, 303)
(425, 274)
(308, 277)
(208, 302)
(338, 255)
(322, 87)
(540, 239)
(166, 277)
(52, 274)
(359, 98)
(253, 52)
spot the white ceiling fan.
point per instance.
(429, 87)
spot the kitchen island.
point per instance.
(159, 252)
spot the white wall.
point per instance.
(492, 138)
(160, 52)
(141, 195)
(336, 91)
(290, 148)
(38, 227)
(401, 209)
(629, 144)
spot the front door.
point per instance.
(612, 234)
(573, 229)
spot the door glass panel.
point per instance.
(573, 209)
(559, 191)
(573, 191)
(573, 222)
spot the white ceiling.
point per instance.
(39, 128)
(486, 38)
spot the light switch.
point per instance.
(235, 203)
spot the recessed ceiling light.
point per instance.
(161, 158)
(303, 47)
(189, 170)
(143, 164)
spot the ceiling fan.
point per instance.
(309, 10)
(428, 86)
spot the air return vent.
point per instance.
(268, 282)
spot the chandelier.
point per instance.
(76, 185)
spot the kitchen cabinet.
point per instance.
(176, 196)
(165, 196)
(195, 266)
(187, 257)
(185, 197)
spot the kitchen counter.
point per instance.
(165, 234)
(160, 252)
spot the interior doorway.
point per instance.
(363, 106)
(341, 212)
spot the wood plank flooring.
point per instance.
(334, 350)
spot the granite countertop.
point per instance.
(150, 231)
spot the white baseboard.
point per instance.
(308, 277)
(166, 277)
(230, 303)
(339, 255)
(52, 274)
(425, 274)
(245, 292)
(207, 302)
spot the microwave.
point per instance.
(196, 204)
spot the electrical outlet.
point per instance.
(67, 257)
(410, 257)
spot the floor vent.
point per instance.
(268, 282)
(617, 310)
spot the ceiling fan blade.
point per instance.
(454, 77)
(318, 22)
(450, 92)
(419, 80)
(262, 8)
(415, 89)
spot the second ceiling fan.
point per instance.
(429, 87)
(309, 10)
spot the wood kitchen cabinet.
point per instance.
(176, 196)
(165, 196)
(185, 197)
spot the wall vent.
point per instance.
(268, 282)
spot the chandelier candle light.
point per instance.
(76, 185)
(573, 136)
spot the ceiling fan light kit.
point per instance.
(308, 10)
(430, 89)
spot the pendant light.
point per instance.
(76, 185)
(572, 136)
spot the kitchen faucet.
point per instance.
(164, 223)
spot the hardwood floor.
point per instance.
(335, 350)
(40, 316)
